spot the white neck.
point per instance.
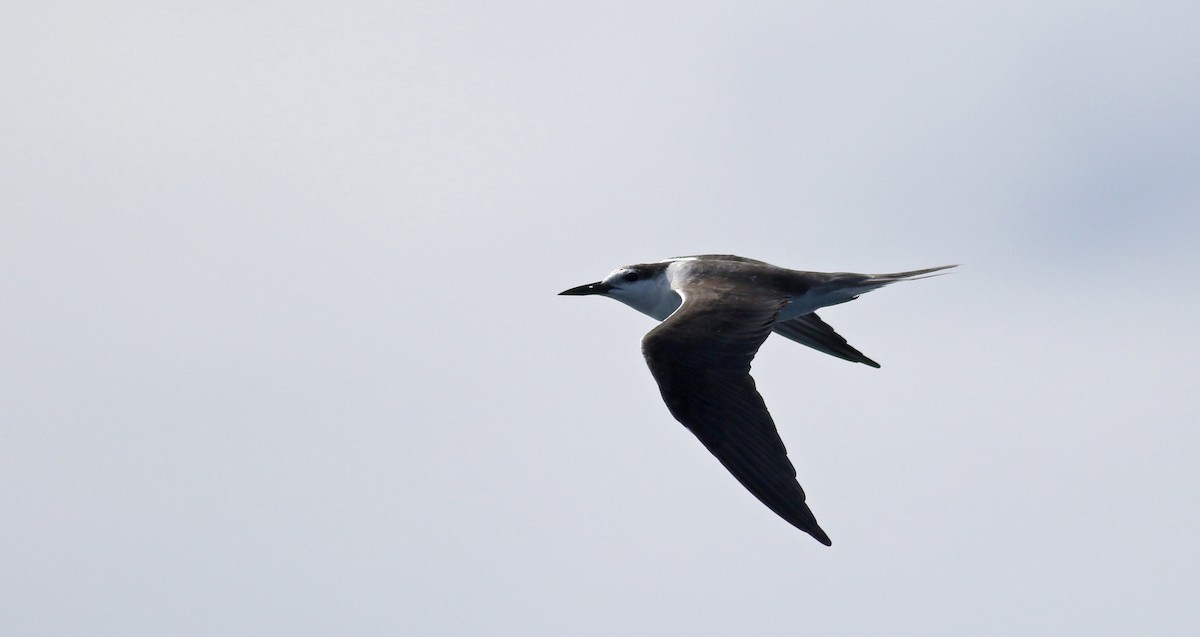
(652, 297)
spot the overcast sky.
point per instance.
(280, 351)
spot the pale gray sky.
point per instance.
(282, 352)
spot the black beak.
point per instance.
(599, 287)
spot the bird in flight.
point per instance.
(715, 312)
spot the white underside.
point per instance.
(813, 301)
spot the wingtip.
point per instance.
(820, 536)
(811, 527)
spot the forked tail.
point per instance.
(884, 279)
(839, 287)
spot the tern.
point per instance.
(715, 312)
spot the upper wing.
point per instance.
(700, 356)
(810, 330)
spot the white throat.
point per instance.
(652, 297)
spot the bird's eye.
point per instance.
(630, 277)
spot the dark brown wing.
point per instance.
(700, 356)
(810, 330)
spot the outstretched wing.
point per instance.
(700, 356)
(810, 330)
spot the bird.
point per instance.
(715, 312)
